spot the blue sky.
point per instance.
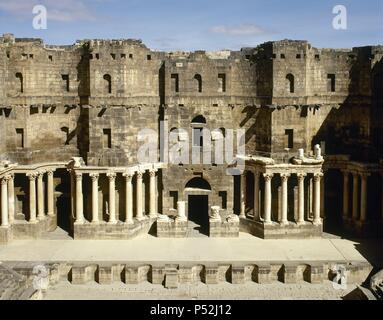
(198, 24)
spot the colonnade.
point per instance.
(38, 208)
(78, 201)
(283, 198)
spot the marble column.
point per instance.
(128, 198)
(317, 198)
(4, 202)
(284, 204)
(32, 197)
(94, 177)
(40, 196)
(346, 208)
(243, 195)
(268, 177)
(355, 196)
(301, 198)
(256, 197)
(11, 198)
(152, 194)
(363, 197)
(79, 199)
(112, 197)
(139, 207)
(181, 211)
(50, 193)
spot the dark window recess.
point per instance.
(20, 138)
(97, 56)
(289, 133)
(50, 58)
(283, 56)
(221, 82)
(108, 83)
(331, 82)
(149, 57)
(130, 56)
(123, 56)
(175, 82)
(65, 78)
(291, 83)
(21, 81)
(198, 137)
(174, 196)
(107, 138)
(223, 196)
(198, 80)
(113, 55)
(299, 56)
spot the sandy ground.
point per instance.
(224, 291)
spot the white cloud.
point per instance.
(240, 30)
(57, 10)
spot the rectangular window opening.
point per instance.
(20, 138)
(65, 78)
(289, 136)
(222, 82)
(107, 138)
(174, 196)
(175, 82)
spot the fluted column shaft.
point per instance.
(4, 202)
(50, 193)
(112, 197)
(284, 205)
(363, 197)
(243, 195)
(128, 198)
(355, 196)
(152, 194)
(346, 208)
(317, 198)
(256, 197)
(32, 197)
(11, 198)
(79, 199)
(267, 207)
(139, 213)
(301, 197)
(40, 196)
(94, 177)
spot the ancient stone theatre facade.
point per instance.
(70, 117)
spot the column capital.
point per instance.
(365, 175)
(50, 172)
(318, 175)
(128, 175)
(285, 176)
(94, 176)
(5, 179)
(140, 174)
(111, 175)
(78, 175)
(40, 173)
(31, 175)
(152, 172)
(268, 176)
(301, 175)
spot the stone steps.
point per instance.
(12, 285)
(173, 275)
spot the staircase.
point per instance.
(376, 285)
(14, 286)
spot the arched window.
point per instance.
(19, 76)
(198, 183)
(199, 119)
(198, 81)
(108, 83)
(290, 83)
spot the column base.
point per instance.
(112, 222)
(33, 221)
(284, 223)
(95, 222)
(79, 222)
(153, 215)
(129, 222)
(141, 218)
(301, 223)
(317, 222)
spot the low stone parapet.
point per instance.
(224, 227)
(168, 227)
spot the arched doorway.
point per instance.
(197, 192)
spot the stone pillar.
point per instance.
(243, 195)
(284, 204)
(346, 208)
(256, 197)
(301, 198)
(317, 198)
(50, 193)
(112, 197)
(79, 199)
(94, 177)
(355, 196)
(322, 197)
(363, 197)
(268, 177)
(40, 196)
(11, 198)
(72, 194)
(32, 197)
(152, 193)
(128, 198)
(181, 213)
(139, 213)
(4, 202)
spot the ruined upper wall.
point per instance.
(126, 72)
